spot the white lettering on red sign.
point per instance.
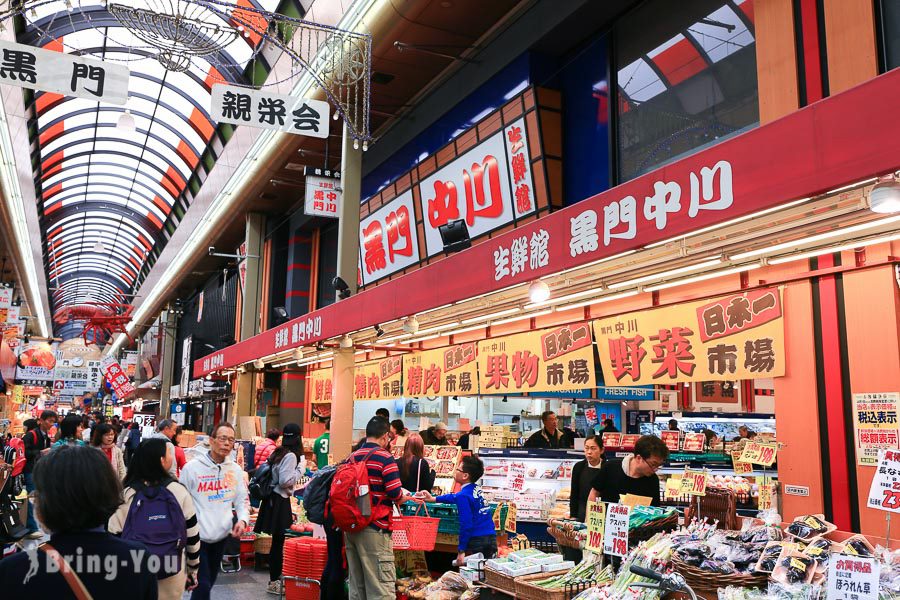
(522, 255)
(710, 190)
(303, 330)
(211, 363)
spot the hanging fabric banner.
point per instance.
(550, 360)
(260, 108)
(441, 372)
(729, 338)
(378, 379)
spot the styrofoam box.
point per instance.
(564, 565)
(469, 574)
(519, 569)
(547, 559)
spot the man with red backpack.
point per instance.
(37, 443)
(361, 504)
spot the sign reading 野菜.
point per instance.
(378, 379)
(875, 424)
(441, 372)
(733, 337)
(263, 109)
(63, 73)
(537, 361)
(884, 493)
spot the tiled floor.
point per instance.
(244, 585)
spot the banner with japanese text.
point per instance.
(320, 386)
(733, 337)
(115, 375)
(441, 372)
(549, 360)
(378, 379)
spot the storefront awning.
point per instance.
(826, 145)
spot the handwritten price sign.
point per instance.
(615, 538)
(693, 442)
(670, 439)
(765, 495)
(694, 482)
(884, 494)
(596, 521)
(673, 488)
(760, 454)
(740, 468)
(612, 440)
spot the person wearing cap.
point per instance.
(275, 511)
(436, 435)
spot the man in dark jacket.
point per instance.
(435, 435)
(37, 443)
(549, 436)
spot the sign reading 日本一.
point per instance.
(732, 337)
(49, 71)
(259, 108)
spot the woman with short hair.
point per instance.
(104, 437)
(70, 431)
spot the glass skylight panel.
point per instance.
(715, 39)
(640, 82)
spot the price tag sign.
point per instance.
(515, 477)
(635, 500)
(671, 439)
(693, 442)
(615, 536)
(596, 524)
(884, 493)
(694, 482)
(740, 468)
(760, 454)
(765, 495)
(629, 440)
(612, 440)
(853, 578)
(673, 488)
(511, 518)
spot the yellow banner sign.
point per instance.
(320, 388)
(378, 379)
(441, 372)
(728, 338)
(551, 360)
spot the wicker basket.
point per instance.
(500, 581)
(718, 504)
(709, 583)
(566, 538)
(642, 534)
(262, 544)
(525, 590)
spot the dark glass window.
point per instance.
(685, 78)
(890, 33)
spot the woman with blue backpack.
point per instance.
(275, 508)
(159, 512)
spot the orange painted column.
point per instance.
(872, 308)
(796, 406)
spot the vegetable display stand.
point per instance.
(500, 581)
(719, 505)
(706, 582)
(526, 590)
(645, 532)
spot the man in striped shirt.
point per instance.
(370, 554)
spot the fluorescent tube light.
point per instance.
(664, 274)
(466, 329)
(703, 277)
(488, 317)
(523, 317)
(832, 249)
(600, 300)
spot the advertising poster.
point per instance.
(875, 425)
(730, 338)
(549, 360)
(378, 379)
(442, 372)
(884, 493)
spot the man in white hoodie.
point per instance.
(216, 483)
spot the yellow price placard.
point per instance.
(760, 454)
(511, 518)
(634, 500)
(740, 467)
(673, 488)
(694, 482)
(596, 520)
(765, 495)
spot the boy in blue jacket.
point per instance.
(476, 525)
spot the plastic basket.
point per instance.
(412, 532)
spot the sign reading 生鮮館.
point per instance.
(733, 337)
(441, 372)
(550, 360)
(378, 379)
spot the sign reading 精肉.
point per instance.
(259, 108)
(596, 520)
(378, 379)
(875, 424)
(323, 196)
(61, 73)
(734, 337)
(615, 537)
(538, 361)
(884, 493)
(441, 372)
(485, 187)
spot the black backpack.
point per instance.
(315, 495)
(262, 484)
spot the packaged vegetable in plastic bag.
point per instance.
(794, 568)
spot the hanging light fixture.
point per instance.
(884, 196)
(126, 121)
(99, 248)
(538, 291)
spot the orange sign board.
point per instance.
(441, 372)
(378, 379)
